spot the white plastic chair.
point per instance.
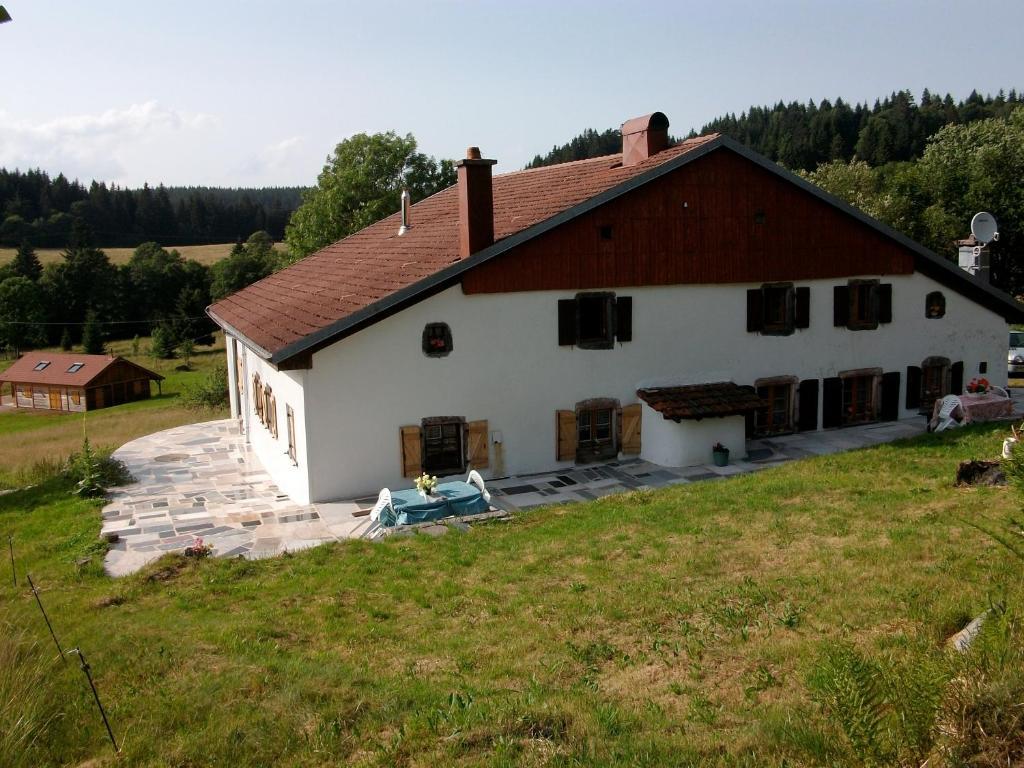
(944, 418)
(999, 390)
(383, 502)
(475, 479)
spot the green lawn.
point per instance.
(678, 627)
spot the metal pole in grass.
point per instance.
(14, 574)
(96, 695)
(45, 617)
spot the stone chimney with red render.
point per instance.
(476, 203)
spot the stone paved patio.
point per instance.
(201, 480)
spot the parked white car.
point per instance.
(1015, 357)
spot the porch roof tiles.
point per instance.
(700, 401)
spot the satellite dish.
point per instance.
(983, 227)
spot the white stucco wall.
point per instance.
(689, 442)
(288, 389)
(507, 368)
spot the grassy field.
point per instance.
(685, 626)
(29, 438)
(205, 254)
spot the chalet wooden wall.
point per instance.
(719, 219)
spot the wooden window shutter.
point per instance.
(807, 416)
(565, 450)
(956, 383)
(840, 305)
(566, 322)
(412, 452)
(802, 315)
(832, 402)
(478, 448)
(913, 399)
(890, 410)
(885, 303)
(624, 318)
(755, 310)
(631, 415)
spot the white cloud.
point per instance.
(274, 159)
(92, 145)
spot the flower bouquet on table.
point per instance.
(978, 386)
(426, 484)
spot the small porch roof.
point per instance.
(701, 401)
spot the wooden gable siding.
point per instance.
(740, 224)
(120, 371)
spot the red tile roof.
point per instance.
(700, 401)
(376, 262)
(23, 370)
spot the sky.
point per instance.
(255, 93)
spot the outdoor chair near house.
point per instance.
(382, 514)
(944, 418)
(999, 391)
(475, 479)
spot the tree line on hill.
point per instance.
(42, 210)
(802, 136)
(84, 299)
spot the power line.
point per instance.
(108, 322)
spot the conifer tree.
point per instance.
(26, 263)
(92, 338)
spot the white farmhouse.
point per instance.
(647, 303)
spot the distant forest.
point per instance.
(42, 210)
(802, 136)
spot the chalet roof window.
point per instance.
(861, 305)
(41, 365)
(776, 309)
(437, 340)
(935, 305)
(595, 320)
(75, 367)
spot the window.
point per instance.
(257, 396)
(776, 309)
(935, 381)
(269, 416)
(437, 340)
(443, 452)
(861, 305)
(595, 320)
(41, 365)
(605, 231)
(934, 305)
(76, 367)
(289, 416)
(858, 399)
(596, 430)
(777, 416)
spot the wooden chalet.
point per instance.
(75, 383)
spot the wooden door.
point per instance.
(55, 400)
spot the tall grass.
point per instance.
(28, 698)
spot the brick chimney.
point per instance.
(643, 137)
(476, 203)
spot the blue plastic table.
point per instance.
(448, 499)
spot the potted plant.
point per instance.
(978, 386)
(426, 484)
(720, 454)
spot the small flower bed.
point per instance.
(198, 549)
